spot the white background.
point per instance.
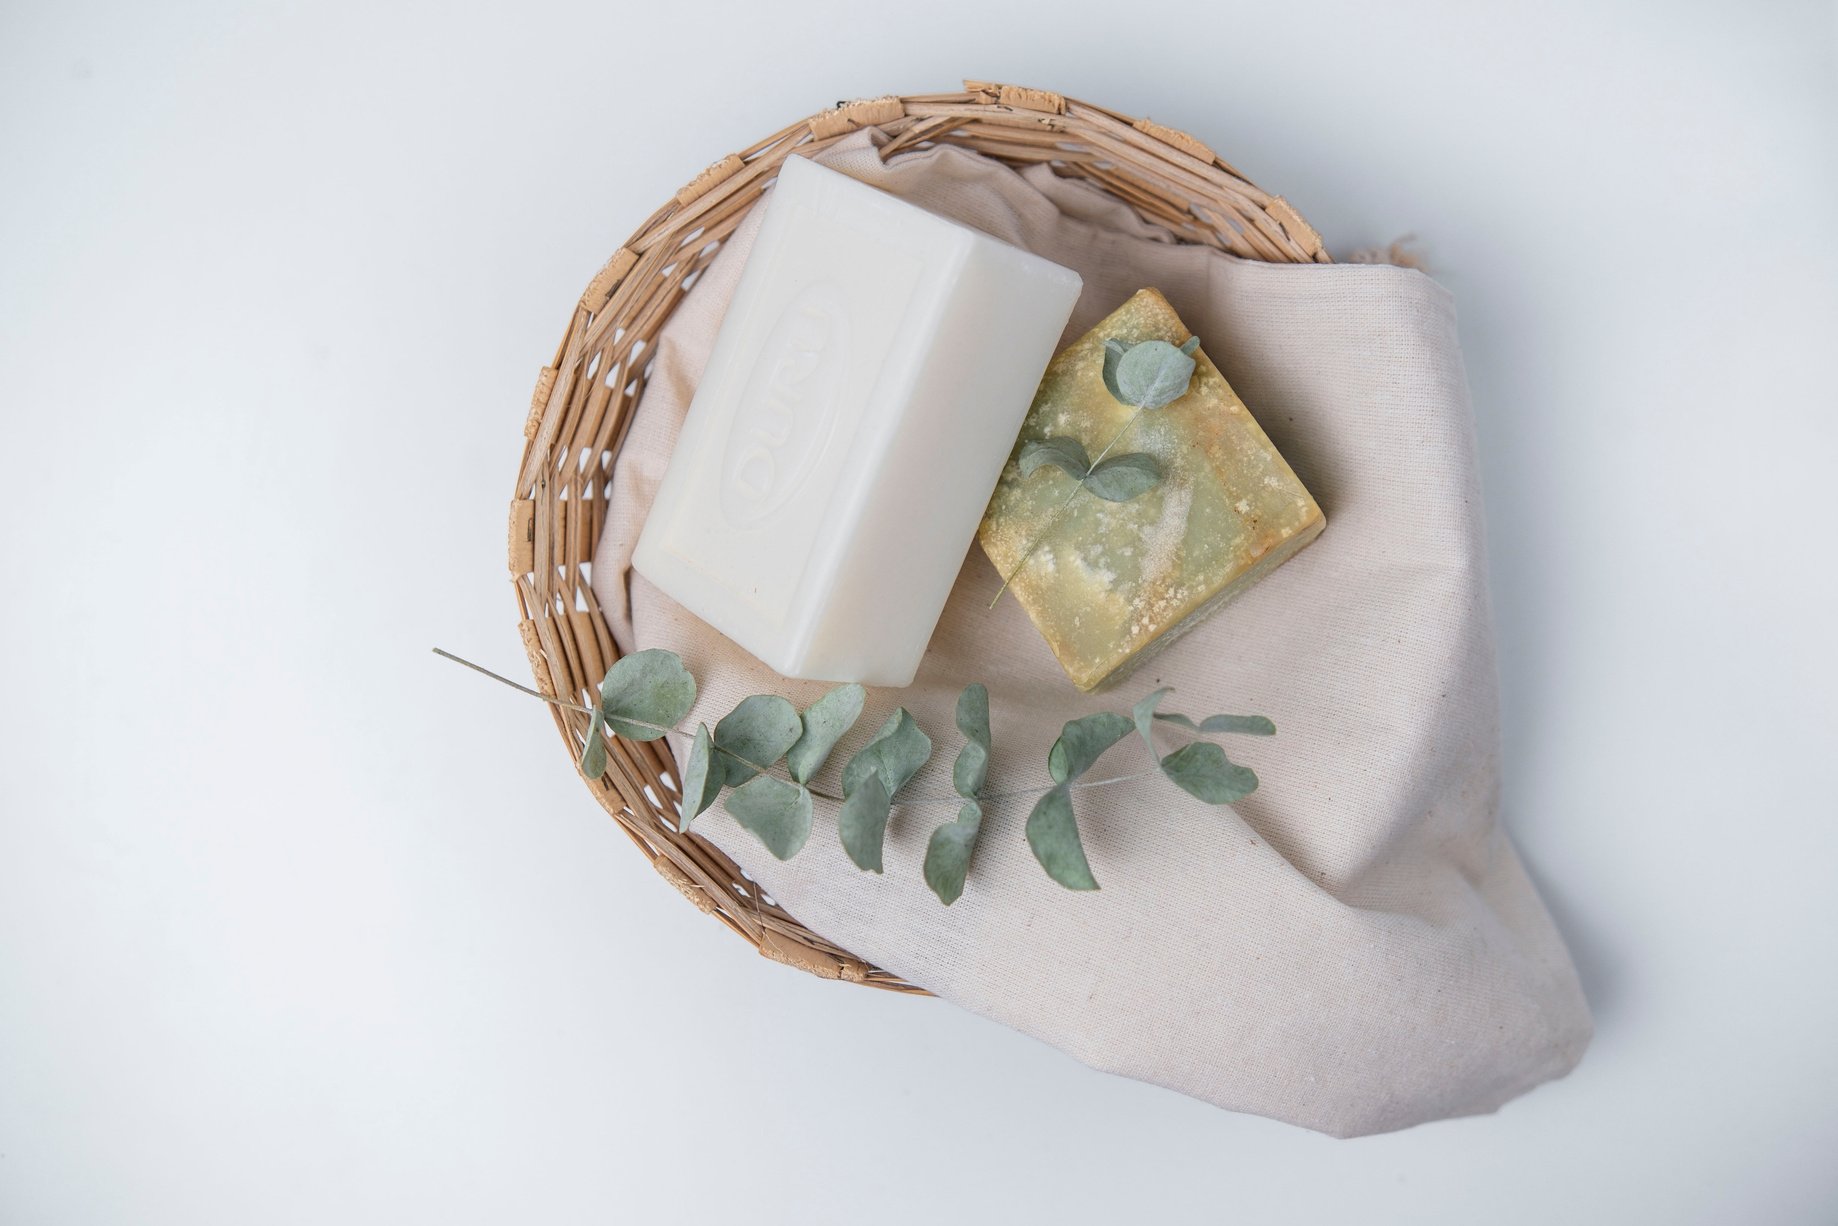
(300, 924)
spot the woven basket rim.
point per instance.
(585, 395)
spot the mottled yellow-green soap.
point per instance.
(1113, 582)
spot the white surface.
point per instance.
(300, 924)
(861, 398)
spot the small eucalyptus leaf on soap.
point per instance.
(759, 730)
(1189, 345)
(702, 778)
(972, 764)
(1053, 836)
(779, 813)
(593, 754)
(1247, 725)
(1114, 350)
(826, 722)
(895, 754)
(1123, 477)
(1151, 374)
(947, 854)
(862, 822)
(1082, 741)
(646, 694)
(1202, 769)
(1066, 454)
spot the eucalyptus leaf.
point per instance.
(702, 778)
(1053, 836)
(1123, 477)
(826, 722)
(972, 765)
(947, 854)
(1202, 769)
(646, 694)
(862, 822)
(776, 811)
(1114, 350)
(1144, 714)
(1066, 454)
(1189, 345)
(593, 754)
(1151, 374)
(1247, 725)
(895, 755)
(1082, 741)
(760, 730)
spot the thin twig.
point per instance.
(923, 798)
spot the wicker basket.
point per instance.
(584, 399)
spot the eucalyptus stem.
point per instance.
(624, 719)
(766, 770)
(1053, 519)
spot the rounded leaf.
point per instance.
(1066, 454)
(1202, 769)
(947, 854)
(760, 730)
(1144, 714)
(825, 722)
(1123, 477)
(702, 778)
(1082, 741)
(862, 822)
(593, 754)
(972, 765)
(895, 754)
(779, 813)
(1152, 374)
(1053, 836)
(646, 694)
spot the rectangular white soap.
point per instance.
(862, 396)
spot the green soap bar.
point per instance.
(1110, 583)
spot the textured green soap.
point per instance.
(1113, 582)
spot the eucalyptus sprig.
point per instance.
(1147, 375)
(648, 695)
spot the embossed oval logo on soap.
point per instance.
(788, 407)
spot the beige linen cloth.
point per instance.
(1356, 947)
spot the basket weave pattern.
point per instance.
(584, 398)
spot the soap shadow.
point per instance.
(1598, 964)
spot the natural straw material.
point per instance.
(584, 400)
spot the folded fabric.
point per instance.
(1356, 947)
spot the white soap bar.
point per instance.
(861, 399)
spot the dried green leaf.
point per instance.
(759, 730)
(862, 822)
(646, 694)
(1202, 769)
(1150, 374)
(1144, 713)
(895, 754)
(702, 778)
(1248, 725)
(1114, 350)
(1123, 477)
(593, 754)
(1082, 741)
(972, 765)
(947, 854)
(1053, 836)
(1189, 345)
(776, 811)
(826, 722)
(1066, 454)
